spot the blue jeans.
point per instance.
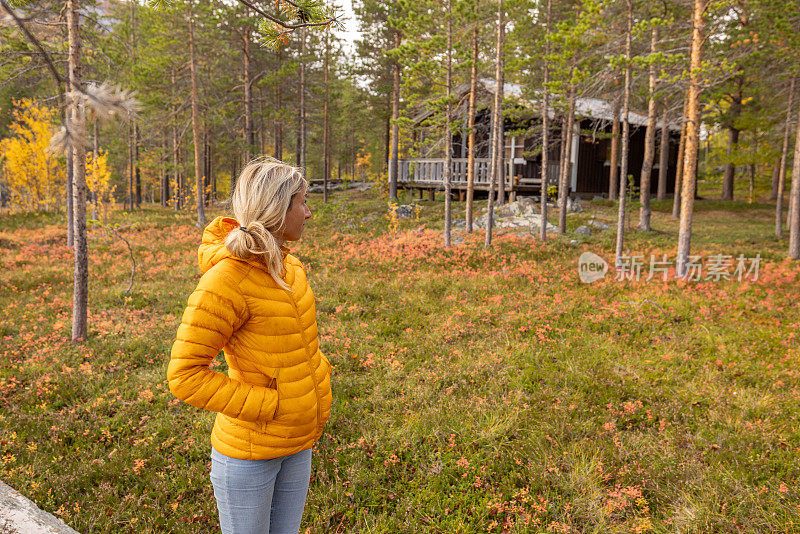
(260, 496)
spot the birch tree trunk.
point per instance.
(692, 138)
(497, 126)
(649, 143)
(198, 155)
(613, 172)
(77, 114)
(545, 129)
(782, 170)
(448, 147)
(676, 202)
(473, 87)
(663, 160)
(395, 124)
(623, 178)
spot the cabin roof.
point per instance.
(586, 107)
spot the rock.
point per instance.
(599, 225)
(573, 242)
(583, 230)
(405, 211)
(572, 205)
(458, 223)
(596, 198)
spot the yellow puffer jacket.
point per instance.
(277, 395)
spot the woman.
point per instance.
(253, 301)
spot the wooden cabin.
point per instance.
(591, 148)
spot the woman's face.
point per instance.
(295, 218)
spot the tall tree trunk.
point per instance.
(692, 138)
(733, 140)
(623, 175)
(497, 125)
(395, 125)
(676, 202)
(613, 172)
(565, 169)
(130, 196)
(794, 200)
(787, 128)
(165, 176)
(249, 135)
(136, 170)
(77, 112)
(500, 124)
(663, 157)
(473, 88)
(302, 150)
(448, 146)
(70, 215)
(545, 129)
(278, 122)
(752, 168)
(198, 178)
(175, 175)
(95, 153)
(325, 141)
(387, 141)
(649, 143)
(730, 168)
(776, 171)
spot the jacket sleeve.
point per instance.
(215, 310)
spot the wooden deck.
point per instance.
(428, 174)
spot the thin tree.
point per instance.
(566, 162)
(448, 158)
(649, 141)
(249, 133)
(794, 200)
(473, 87)
(676, 197)
(623, 178)
(787, 128)
(325, 126)
(198, 154)
(395, 120)
(692, 137)
(545, 126)
(497, 124)
(663, 159)
(302, 110)
(613, 172)
(77, 115)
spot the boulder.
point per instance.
(583, 230)
(599, 225)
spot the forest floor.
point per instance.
(474, 390)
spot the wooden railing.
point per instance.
(431, 171)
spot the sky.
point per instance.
(350, 33)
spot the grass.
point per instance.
(474, 390)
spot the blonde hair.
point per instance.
(260, 200)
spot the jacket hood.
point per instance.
(212, 250)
